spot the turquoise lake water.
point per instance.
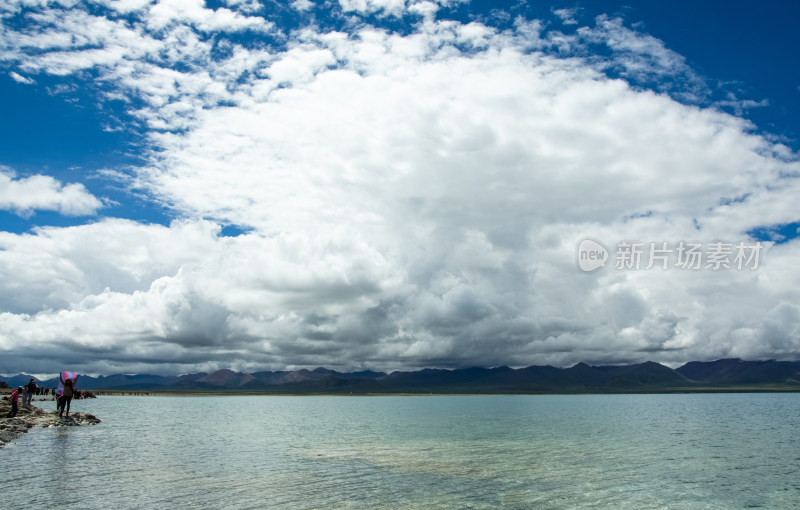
(576, 451)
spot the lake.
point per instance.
(305, 452)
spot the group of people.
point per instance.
(29, 390)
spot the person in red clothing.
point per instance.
(14, 401)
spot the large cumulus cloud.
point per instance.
(408, 199)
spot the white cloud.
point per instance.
(64, 42)
(43, 193)
(248, 6)
(21, 79)
(124, 6)
(302, 5)
(59, 267)
(410, 200)
(645, 58)
(394, 7)
(193, 12)
(567, 16)
(387, 7)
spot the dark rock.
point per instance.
(31, 416)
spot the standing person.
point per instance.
(66, 396)
(31, 392)
(14, 400)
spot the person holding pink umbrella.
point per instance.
(66, 394)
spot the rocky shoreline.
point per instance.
(31, 416)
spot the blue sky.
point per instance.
(60, 126)
(387, 184)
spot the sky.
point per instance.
(396, 184)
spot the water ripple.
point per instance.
(600, 451)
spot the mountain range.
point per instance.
(720, 375)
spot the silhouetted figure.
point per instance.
(66, 396)
(31, 392)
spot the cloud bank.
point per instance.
(406, 198)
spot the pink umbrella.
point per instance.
(66, 374)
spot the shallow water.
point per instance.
(565, 451)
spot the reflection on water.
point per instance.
(626, 451)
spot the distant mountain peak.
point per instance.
(734, 371)
(322, 370)
(226, 377)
